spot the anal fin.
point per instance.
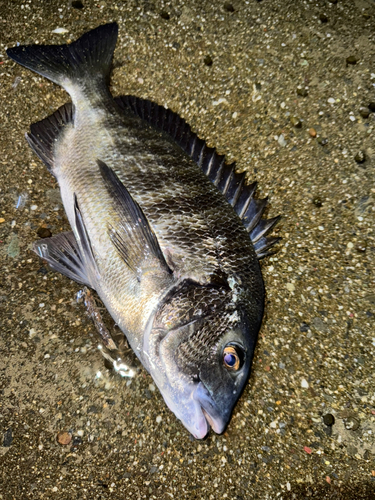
(63, 255)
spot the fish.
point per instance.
(164, 230)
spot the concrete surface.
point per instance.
(252, 78)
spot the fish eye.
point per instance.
(233, 357)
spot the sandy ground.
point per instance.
(252, 78)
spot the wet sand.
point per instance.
(283, 89)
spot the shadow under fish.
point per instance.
(163, 229)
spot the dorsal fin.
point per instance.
(232, 184)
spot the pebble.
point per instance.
(281, 140)
(60, 31)
(331, 100)
(312, 132)
(77, 4)
(2, 220)
(63, 438)
(208, 61)
(228, 7)
(360, 157)
(290, 287)
(322, 141)
(296, 122)
(351, 60)
(304, 327)
(304, 384)
(319, 325)
(328, 419)
(77, 441)
(317, 201)
(8, 438)
(364, 112)
(164, 15)
(323, 18)
(158, 419)
(352, 424)
(361, 246)
(44, 232)
(302, 92)
(13, 249)
(371, 107)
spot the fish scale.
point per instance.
(159, 229)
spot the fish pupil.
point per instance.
(230, 359)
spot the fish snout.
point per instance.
(215, 417)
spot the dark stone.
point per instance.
(371, 107)
(364, 112)
(228, 7)
(323, 141)
(317, 201)
(360, 157)
(147, 394)
(44, 232)
(164, 15)
(351, 60)
(296, 122)
(302, 92)
(361, 246)
(8, 438)
(77, 440)
(208, 61)
(77, 4)
(328, 419)
(304, 327)
(367, 455)
(323, 18)
(93, 409)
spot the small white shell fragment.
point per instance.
(60, 31)
(304, 383)
(281, 140)
(221, 100)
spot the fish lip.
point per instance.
(210, 411)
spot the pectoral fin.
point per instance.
(71, 254)
(133, 237)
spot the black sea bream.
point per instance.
(167, 234)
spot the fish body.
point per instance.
(153, 232)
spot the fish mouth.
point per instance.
(210, 411)
(217, 426)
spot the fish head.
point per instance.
(199, 351)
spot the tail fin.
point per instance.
(89, 57)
